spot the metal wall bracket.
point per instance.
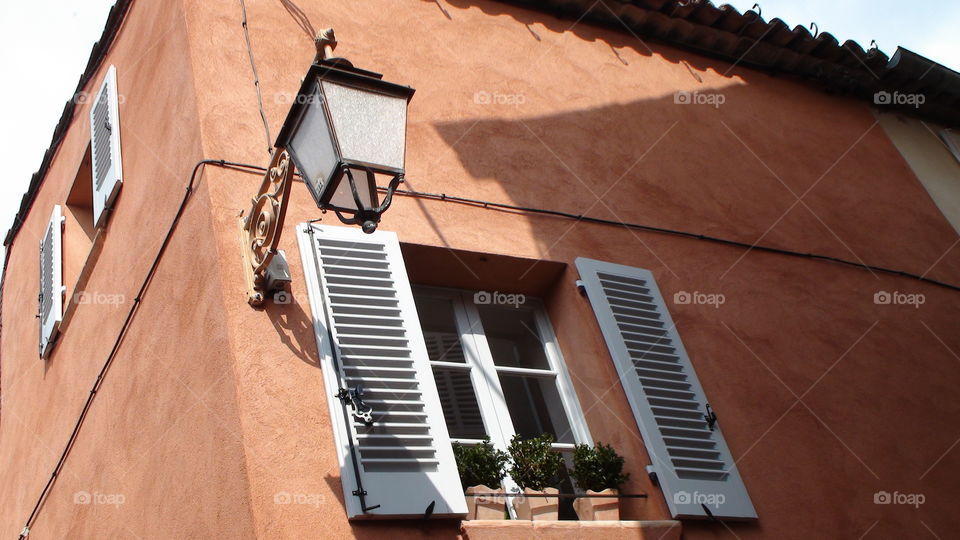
(260, 230)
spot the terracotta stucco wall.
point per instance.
(157, 456)
(580, 119)
(594, 126)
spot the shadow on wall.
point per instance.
(728, 162)
(294, 327)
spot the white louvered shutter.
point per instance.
(369, 335)
(105, 146)
(693, 464)
(51, 281)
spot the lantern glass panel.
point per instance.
(312, 145)
(370, 126)
(366, 188)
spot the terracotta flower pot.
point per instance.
(485, 506)
(537, 508)
(598, 508)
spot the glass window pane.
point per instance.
(513, 336)
(439, 329)
(535, 406)
(459, 403)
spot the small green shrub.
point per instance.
(480, 464)
(598, 467)
(535, 464)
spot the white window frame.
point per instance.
(484, 372)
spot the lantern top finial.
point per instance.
(326, 42)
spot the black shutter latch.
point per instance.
(710, 417)
(354, 398)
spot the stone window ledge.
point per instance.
(569, 530)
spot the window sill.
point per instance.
(565, 530)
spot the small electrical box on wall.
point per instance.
(278, 273)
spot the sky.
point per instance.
(45, 44)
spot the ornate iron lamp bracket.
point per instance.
(263, 224)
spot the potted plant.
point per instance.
(599, 471)
(536, 468)
(482, 469)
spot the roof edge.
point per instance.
(114, 20)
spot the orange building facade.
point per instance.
(834, 384)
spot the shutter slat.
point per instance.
(358, 283)
(664, 393)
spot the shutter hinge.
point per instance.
(710, 417)
(582, 287)
(362, 493)
(354, 398)
(652, 473)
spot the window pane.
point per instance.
(513, 337)
(459, 403)
(439, 329)
(535, 407)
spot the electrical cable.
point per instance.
(256, 78)
(126, 325)
(686, 234)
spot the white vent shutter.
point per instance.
(952, 140)
(693, 464)
(51, 281)
(105, 145)
(369, 336)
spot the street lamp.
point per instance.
(346, 134)
(345, 131)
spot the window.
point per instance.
(499, 373)
(497, 369)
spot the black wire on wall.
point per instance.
(134, 309)
(686, 234)
(256, 76)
